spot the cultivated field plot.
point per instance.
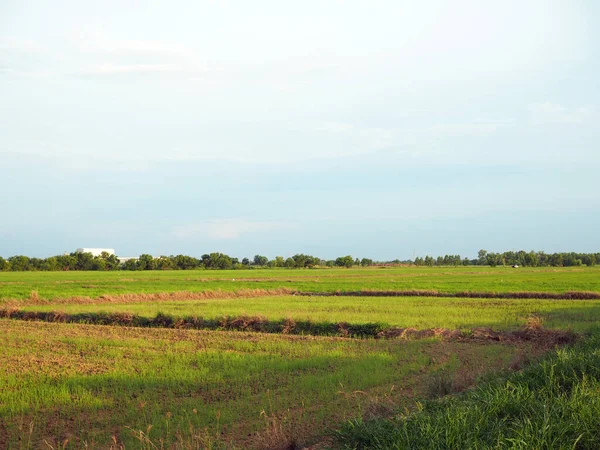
(89, 383)
(49, 285)
(385, 312)
(263, 358)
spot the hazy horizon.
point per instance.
(324, 128)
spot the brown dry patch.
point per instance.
(54, 366)
(533, 333)
(155, 297)
(569, 295)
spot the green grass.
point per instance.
(88, 383)
(418, 312)
(96, 386)
(19, 285)
(552, 405)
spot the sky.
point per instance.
(380, 129)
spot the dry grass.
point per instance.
(569, 295)
(34, 298)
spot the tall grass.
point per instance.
(551, 405)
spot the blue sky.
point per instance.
(377, 129)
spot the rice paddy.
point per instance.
(159, 385)
(418, 312)
(50, 285)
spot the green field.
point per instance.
(88, 383)
(49, 285)
(71, 385)
(418, 312)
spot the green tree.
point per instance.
(482, 257)
(19, 263)
(130, 264)
(4, 265)
(111, 262)
(84, 261)
(344, 261)
(146, 262)
(218, 261)
(279, 261)
(260, 260)
(290, 263)
(163, 263)
(66, 262)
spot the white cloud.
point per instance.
(109, 68)
(476, 128)
(549, 113)
(226, 228)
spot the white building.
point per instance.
(96, 251)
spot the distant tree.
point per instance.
(589, 260)
(366, 262)
(279, 261)
(260, 260)
(84, 261)
(163, 263)
(557, 260)
(146, 262)
(111, 262)
(482, 257)
(130, 264)
(4, 265)
(98, 264)
(301, 260)
(429, 261)
(218, 261)
(344, 261)
(183, 262)
(246, 262)
(66, 262)
(19, 263)
(290, 263)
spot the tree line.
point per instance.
(221, 261)
(512, 258)
(217, 261)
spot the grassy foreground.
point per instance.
(75, 385)
(551, 405)
(96, 385)
(49, 285)
(418, 312)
